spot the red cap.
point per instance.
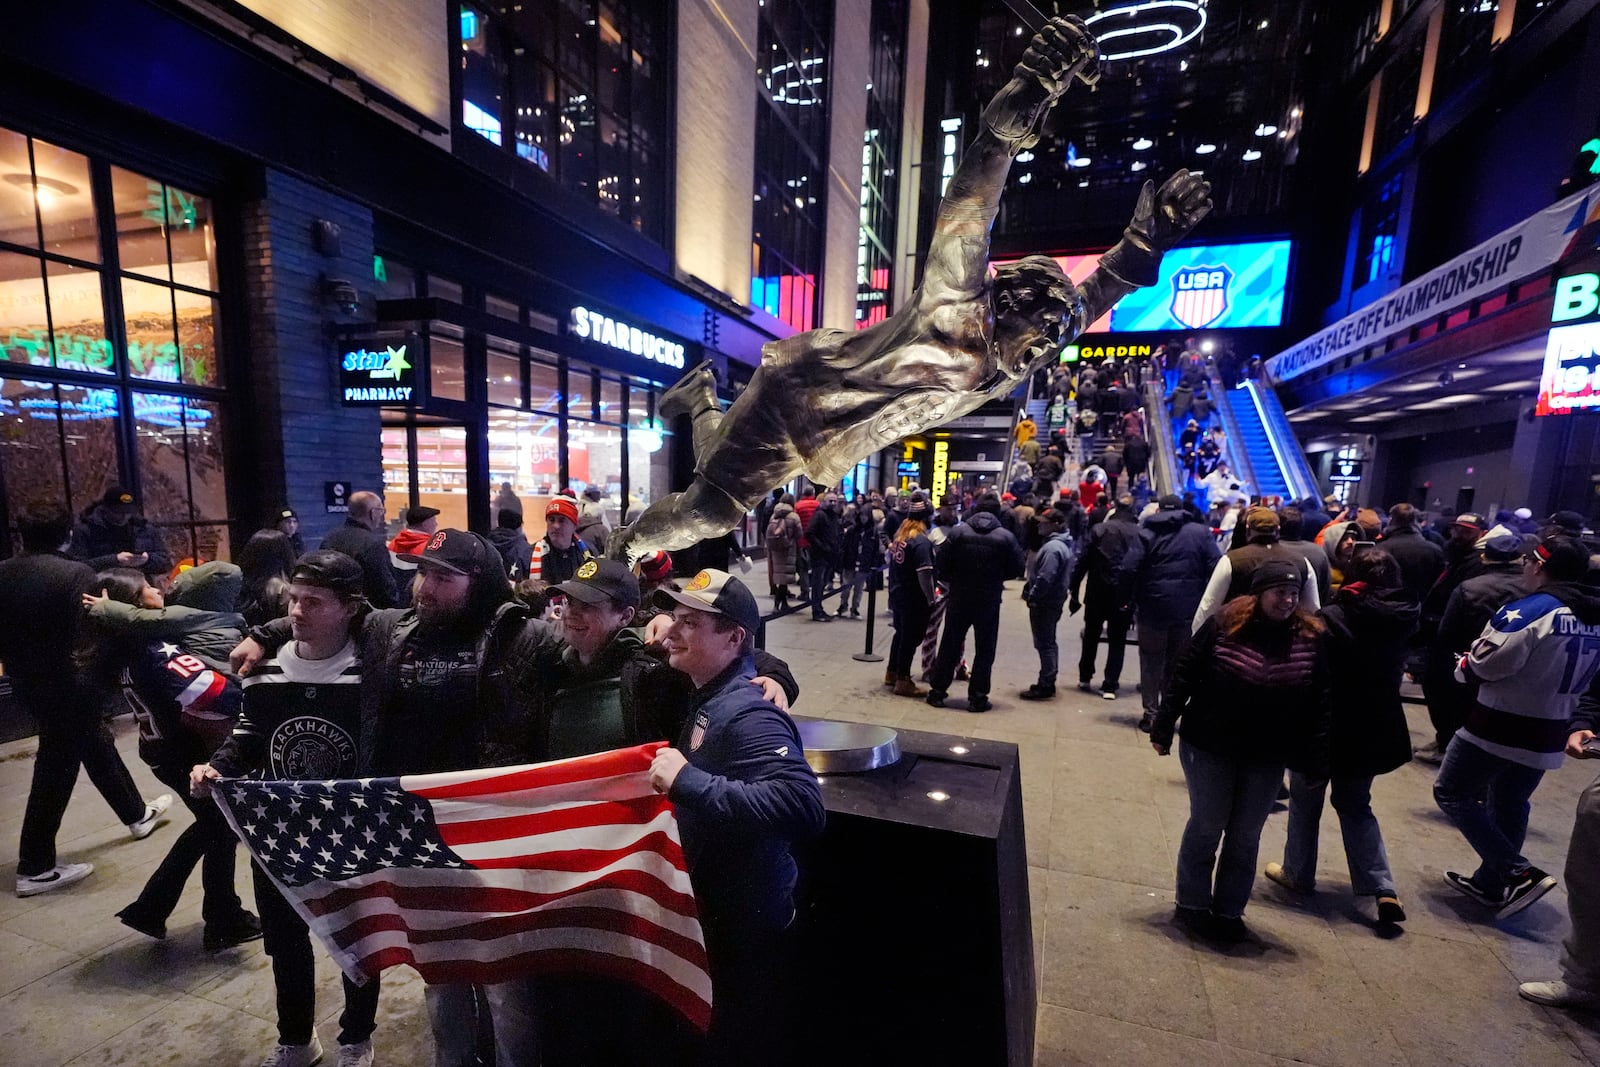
(1007, 496)
(564, 506)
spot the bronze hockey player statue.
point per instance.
(823, 400)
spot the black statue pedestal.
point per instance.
(916, 924)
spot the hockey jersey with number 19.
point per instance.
(301, 719)
(1532, 662)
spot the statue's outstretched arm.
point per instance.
(958, 256)
(1162, 218)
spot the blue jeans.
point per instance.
(1229, 800)
(1487, 798)
(1363, 841)
(1042, 620)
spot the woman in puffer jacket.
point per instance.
(1251, 690)
(1371, 618)
(783, 544)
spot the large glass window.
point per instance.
(790, 160)
(880, 164)
(116, 321)
(1380, 227)
(575, 88)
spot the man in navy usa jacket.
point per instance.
(744, 796)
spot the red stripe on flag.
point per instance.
(589, 859)
(580, 918)
(637, 811)
(472, 898)
(585, 768)
(551, 961)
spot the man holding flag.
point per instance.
(300, 720)
(745, 796)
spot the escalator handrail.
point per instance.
(1297, 472)
(1236, 454)
(1271, 432)
(1163, 449)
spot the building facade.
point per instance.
(262, 253)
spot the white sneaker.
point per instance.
(356, 1055)
(153, 817)
(296, 1055)
(1558, 994)
(58, 877)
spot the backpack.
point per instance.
(778, 532)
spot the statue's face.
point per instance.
(1029, 321)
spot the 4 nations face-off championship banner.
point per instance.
(481, 876)
(1526, 248)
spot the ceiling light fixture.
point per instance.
(1080, 161)
(1138, 165)
(1250, 155)
(1146, 29)
(1205, 148)
(45, 190)
(1142, 143)
(1266, 129)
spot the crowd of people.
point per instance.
(1275, 670)
(1271, 663)
(433, 650)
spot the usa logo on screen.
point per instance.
(1200, 295)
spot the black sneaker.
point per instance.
(1086, 687)
(1463, 883)
(1525, 888)
(1038, 692)
(240, 931)
(1147, 722)
(1196, 921)
(935, 698)
(978, 704)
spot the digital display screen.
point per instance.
(1210, 287)
(1206, 287)
(1571, 378)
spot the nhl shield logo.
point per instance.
(1200, 295)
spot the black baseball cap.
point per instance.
(459, 552)
(286, 513)
(418, 515)
(118, 499)
(330, 570)
(717, 592)
(1275, 572)
(600, 580)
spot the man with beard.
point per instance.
(823, 399)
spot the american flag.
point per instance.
(480, 876)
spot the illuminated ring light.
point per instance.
(1180, 22)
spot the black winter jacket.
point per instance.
(1366, 643)
(1110, 558)
(96, 541)
(368, 548)
(1421, 561)
(1177, 560)
(825, 535)
(977, 557)
(1261, 696)
(1473, 604)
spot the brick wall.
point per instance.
(303, 437)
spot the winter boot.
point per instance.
(905, 687)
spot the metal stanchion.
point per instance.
(866, 655)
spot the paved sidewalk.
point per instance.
(1118, 985)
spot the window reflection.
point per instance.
(66, 202)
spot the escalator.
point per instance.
(1261, 442)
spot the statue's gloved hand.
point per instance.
(1062, 50)
(1162, 218)
(1165, 216)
